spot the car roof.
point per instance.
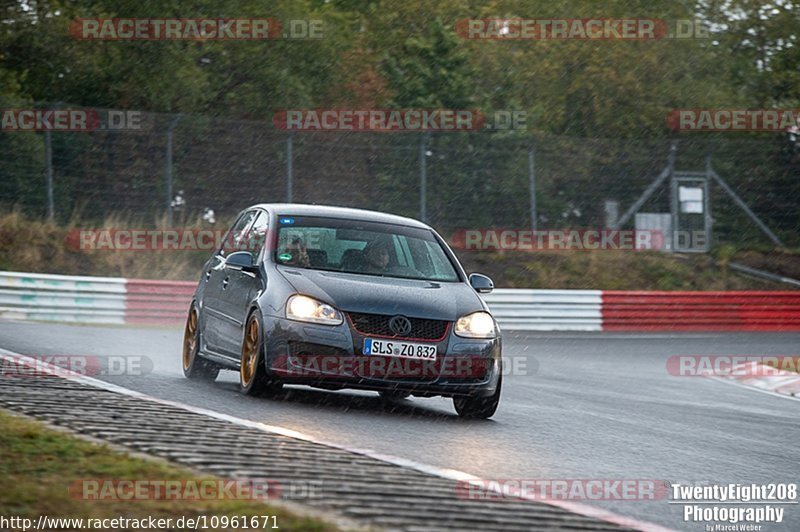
(329, 211)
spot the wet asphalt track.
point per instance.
(588, 406)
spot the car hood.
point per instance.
(386, 295)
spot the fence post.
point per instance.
(48, 156)
(532, 187)
(708, 220)
(289, 169)
(673, 200)
(423, 178)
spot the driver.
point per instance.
(376, 256)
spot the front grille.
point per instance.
(378, 325)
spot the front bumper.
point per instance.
(331, 357)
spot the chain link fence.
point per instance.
(183, 165)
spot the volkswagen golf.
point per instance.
(339, 298)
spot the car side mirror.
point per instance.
(241, 260)
(481, 283)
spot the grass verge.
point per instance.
(38, 464)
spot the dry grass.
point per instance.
(40, 246)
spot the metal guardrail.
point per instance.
(546, 310)
(761, 274)
(82, 299)
(46, 297)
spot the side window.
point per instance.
(257, 236)
(237, 237)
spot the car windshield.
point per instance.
(367, 248)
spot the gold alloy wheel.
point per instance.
(247, 368)
(189, 339)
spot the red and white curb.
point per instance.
(752, 375)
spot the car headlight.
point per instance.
(304, 308)
(476, 325)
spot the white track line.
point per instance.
(449, 474)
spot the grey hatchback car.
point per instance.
(338, 298)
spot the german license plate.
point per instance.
(393, 348)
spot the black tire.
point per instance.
(253, 377)
(194, 366)
(393, 395)
(479, 407)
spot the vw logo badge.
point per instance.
(400, 325)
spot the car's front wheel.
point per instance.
(479, 407)
(253, 378)
(194, 366)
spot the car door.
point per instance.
(214, 316)
(240, 287)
